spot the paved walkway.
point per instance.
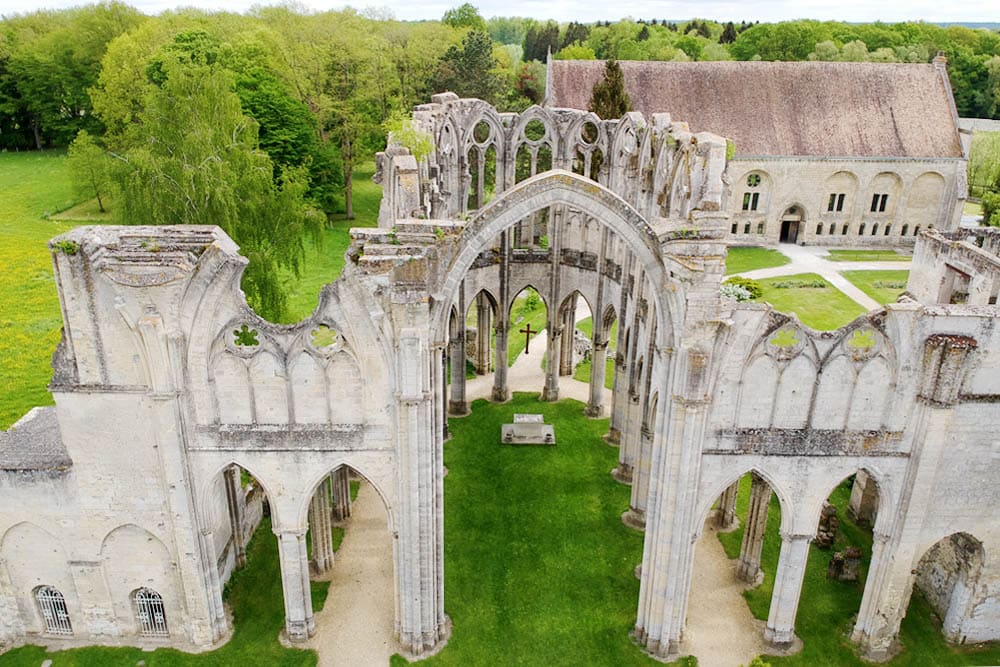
(810, 259)
(355, 626)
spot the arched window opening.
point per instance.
(52, 606)
(905, 229)
(150, 614)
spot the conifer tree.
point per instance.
(609, 99)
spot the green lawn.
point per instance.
(883, 286)
(867, 256)
(740, 260)
(253, 593)
(538, 566)
(325, 261)
(822, 308)
(33, 185)
(827, 608)
(972, 208)
(582, 371)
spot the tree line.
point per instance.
(255, 121)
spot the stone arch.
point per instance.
(924, 198)
(313, 483)
(751, 182)
(205, 488)
(884, 183)
(757, 393)
(838, 196)
(788, 508)
(33, 557)
(948, 575)
(519, 288)
(560, 187)
(132, 557)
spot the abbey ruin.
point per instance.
(124, 513)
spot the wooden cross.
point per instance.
(527, 336)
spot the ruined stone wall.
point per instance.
(921, 194)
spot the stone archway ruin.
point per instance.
(162, 343)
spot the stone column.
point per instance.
(341, 482)
(635, 515)
(725, 518)
(598, 363)
(568, 335)
(748, 567)
(555, 332)
(235, 501)
(458, 405)
(484, 314)
(321, 528)
(780, 627)
(500, 390)
(299, 623)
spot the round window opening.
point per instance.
(753, 180)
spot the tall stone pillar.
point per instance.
(321, 528)
(340, 482)
(484, 313)
(458, 405)
(598, 364)
(554, 333)
(780, 627)
(237, 505)
(501, 329)
(725, 518)
(299, 623)
(635, 515)
(500, 390)
(748, 566)
(568, 336)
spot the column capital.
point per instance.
(297, 532)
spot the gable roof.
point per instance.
(829, 109)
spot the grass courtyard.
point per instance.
(883, 286)
(742, 259)
(817, 303)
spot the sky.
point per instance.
(966, 11)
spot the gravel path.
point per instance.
(355, 626)
(721, 631)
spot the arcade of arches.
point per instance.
(629, 216)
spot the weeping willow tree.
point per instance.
(195, 159)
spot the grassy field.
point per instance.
(740, 260)
(883, 286)
(33, 185)
(828, 608)
(822, 308)
(972, 208)
(253, 593)
(867, 256)
(538, 566)
(325, 261)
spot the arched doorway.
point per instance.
(791, 220)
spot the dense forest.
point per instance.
(255, 121)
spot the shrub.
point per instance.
(737, 292)
(799, 284)
(749, 284)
